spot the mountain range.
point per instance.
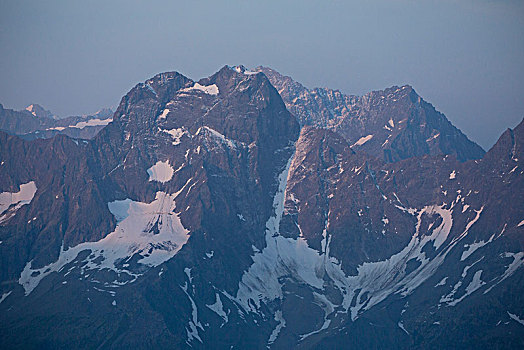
(35, 122)
(244, 210)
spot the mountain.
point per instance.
(39, 111)
(36, 123)
(204, 216)
(392, 124)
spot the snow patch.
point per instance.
(281, 324)
(401, 326)
(515, 318)
(473, 247)
(10, 202)
(442, 282)
(93, 122)
(4, 296)
(207, 89)
(362, 140)
(217, 136)
(176, 134)
(164, 114)
(81, 125)
(433, 137)
(194, 324)
(518, 260)
(161, 172)
(218, 308)
(59, 128)
(328, 308)
(391, 122)
(475, 284)
(152, 231)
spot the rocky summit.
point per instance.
(392, 124)
(245, 211)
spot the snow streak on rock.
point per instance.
(374, 282)
(209, 89)
(281, 324)
(92, 122)
(218, 308)
(215, 135)
(5, 295)
(176, 134)
(194, 323)
(164, 114)
(515, 318)
(362, 140)
(10, 202)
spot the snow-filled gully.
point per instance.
(373, 283)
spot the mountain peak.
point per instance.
(39, 111)
(104, 113)
(160, 87)
(240, 68)
(392, 124)
(509, 146)
(394, 92)
(228, 71)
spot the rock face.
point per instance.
(203, 216)
(391, 124)
(40, 112)
(37, 123)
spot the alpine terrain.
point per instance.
(245, 211)
(36, 122)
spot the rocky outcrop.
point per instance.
(392, 124)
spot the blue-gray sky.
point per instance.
(466, 57)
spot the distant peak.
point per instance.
(271, 72)
(104, 113)
(399, 89)
(266, 69)
(519, 129)
(240, 69)
(39, 111)
(166, 78)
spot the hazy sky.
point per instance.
(466, 57)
